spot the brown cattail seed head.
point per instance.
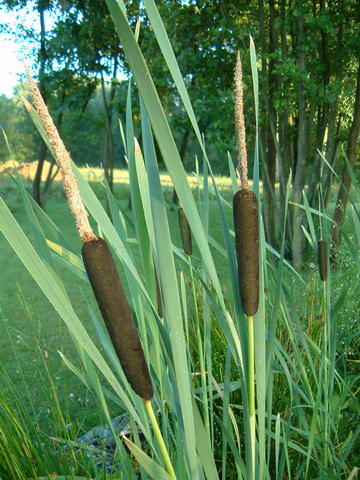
(247, 248)
(322, 259)
(110, 296)
(185, 231)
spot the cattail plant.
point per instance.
(185, 232)
(246, 217)
(246, 220)
(104, 279)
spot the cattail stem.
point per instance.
(201, 353)
(160, 440)
(326, 355)
(251, 392)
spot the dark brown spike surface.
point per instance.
(185, 231)
(322, 259)
(247, 248)
(110, 296)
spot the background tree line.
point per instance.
(309, 75)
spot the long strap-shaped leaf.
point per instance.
(95, 208)
(169, 56)
(25, 251)
(163, 136)
(167, 275)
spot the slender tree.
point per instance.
(351, 151)
(42, 5)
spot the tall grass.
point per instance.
(31, 441)
(198, 350)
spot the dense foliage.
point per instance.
(309, 59)
(81, 48)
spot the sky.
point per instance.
(9, 58)
(12, 50)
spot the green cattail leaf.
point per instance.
(158, 295)
(246, 222)
(185, 231)
(110, 296)
(322, 259)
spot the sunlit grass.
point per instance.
(94, 174)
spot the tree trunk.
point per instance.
(107, 148)
(331, 153)
(262, 38)
(51, 174)
(343, 193)
(109, 154)
(327, 184)
(269, 190)
(50, 180)
(182, 153)
(315, 174)
(298, 184)
(284, 158)
(37, 180)
(109, 139)
(270, 157)
(324, 117)
(333, 129)
(43, 149)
